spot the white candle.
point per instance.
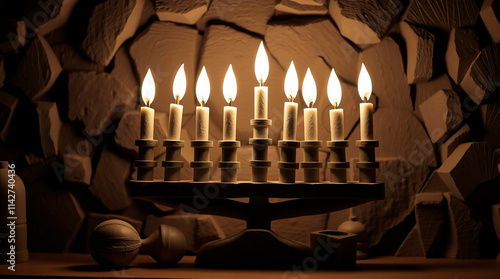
(309, 93)
(261, 92)
(291, 108)
(147, 113)
(365, 109)
(229, 90)
(336, 114)
(175, 113)
(202, 113)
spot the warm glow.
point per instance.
(148, 88)
(180, 83)
(309, 91)
(334, 89)
(291, 82)
(364, 84)
(229, 88)
(203, 87)
(261, 64)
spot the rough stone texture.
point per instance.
(442, 114)
(365, 22)
(430, 215)
(2, 70)
(177, 44)
(217, 52)
(248, 14)
(95, 219)
(301, 7)
(425, 90)
(463, 47)
(73, 141)
(12, 35)
(72, 61)
(129, 130)
(482, 79)
(442, 14)
(124, 71)
(434, 184)
(464, 233)
(77, 169)
(50, 126)
(467, 168)
(54, 214)
(460, 136)
(411, 246)
(96, 99)
(420, 52)
(59, 16)
(181, 11)
(405, 154)
(490, 115)
(198, 229)
(40, 66)
(299, 229)
(8, 104)
(110, 180)
(112, 22)
(385, 66)
(490, 14)
(312, 38)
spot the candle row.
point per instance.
(309, 94)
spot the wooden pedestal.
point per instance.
(229, 163)
(337, 165)
(367, 165)
(288, 164)
(173, 163)
(311, 163)
(201, 164)
(146, 163)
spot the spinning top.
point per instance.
(356, 227)
(115, 243)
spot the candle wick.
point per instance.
(335, 105)
(261, 82)
(202, 103)
(230, 101)
(148, 103)
(290, 98)
(365, 99)
(177, 99)
(310, 105)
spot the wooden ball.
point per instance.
(114, 243)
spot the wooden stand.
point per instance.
(367, 165)
(260, 142)
(311, 163)
(229, 163)
(201, 164)
(146, 163)
(337, 165)
(173, 163)
(288, 164)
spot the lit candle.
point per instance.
(175, 115)
(260, 92)
(290, 111)
(229, 89)
(148, 113)
(309, 93)
(365, 108)
(202, 112)
(336, 114)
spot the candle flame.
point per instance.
(334, 89)
(309, 90)
(364, 84)
(291, 82)
(148, 88)
(203, 87)
(179, 83)
(229, 88)
(261, 64)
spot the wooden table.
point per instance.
(82, 266)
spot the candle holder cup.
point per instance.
(173, 163)
(337, 165)
(288, 164)
(260, 142)
(201, 164)
(311, 163)
(367, 165)
(229, 163)
(146, 163)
